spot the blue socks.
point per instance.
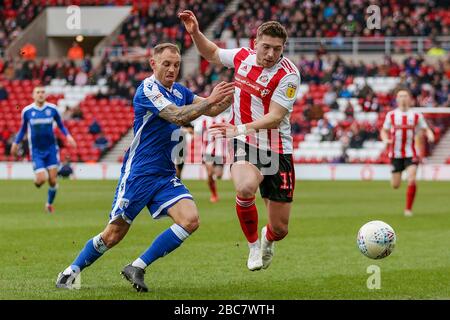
(51, 194)
(165, 243)
(93, 250)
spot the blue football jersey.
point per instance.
(150, 152)
(38, 122)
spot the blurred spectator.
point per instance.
(3, 92)
(101, 143)
(28, 51)
(364, 91)
(95, 128)
(325, 129)
(75, 52)
(436, 50)
(77, 114)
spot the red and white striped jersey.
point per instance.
(403, 129)
(211, 145)
(255, 88)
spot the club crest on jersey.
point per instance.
(290, 91)
(177, 94)
(48, 112)
(263, 78)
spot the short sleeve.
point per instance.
(387, 125)
(421, 123)
(153, 99)
(286, 92)
(227, 56)
(189, 95)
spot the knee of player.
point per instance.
(191, 223)
(411, 181)
(245, 191)
(395, 186)
(38, 183)
(52, 182)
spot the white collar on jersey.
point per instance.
(159, 82)
(41, 108)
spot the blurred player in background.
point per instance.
(213, 152)
(38, 119)
(148, 175)
(182, 144)
(266, 89)
(399, 131)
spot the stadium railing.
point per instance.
(359, 45)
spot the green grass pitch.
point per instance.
(318, 259)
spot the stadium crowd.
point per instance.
(333, 75)
(148, 24)
(337, 18)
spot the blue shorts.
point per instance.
(43, 160)
(157, 193)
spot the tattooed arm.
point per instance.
(218, 107)
(185, 114)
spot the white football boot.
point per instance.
(267, 249)
(68, 279)
(254, 261)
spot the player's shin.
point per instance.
(248, 217)
(52, 194)
(410, 195)
(165, 243)
(93, 250)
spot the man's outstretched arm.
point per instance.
(208, 49)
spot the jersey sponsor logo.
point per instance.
(41, 121)
(177, 94)
(251, 86)
(290, 91)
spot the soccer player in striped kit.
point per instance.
(399, 131)
(213, 152)
(266, 89)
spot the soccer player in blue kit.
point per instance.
(148, 178)
(37, 120)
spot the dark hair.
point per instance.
(402, 89)
(272, 29)
(163, 46)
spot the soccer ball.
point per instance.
(376, 239)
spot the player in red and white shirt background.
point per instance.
(266, 86)
(399, 131)
(214, 151)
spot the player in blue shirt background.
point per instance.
(37, 121)
(148, 177)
